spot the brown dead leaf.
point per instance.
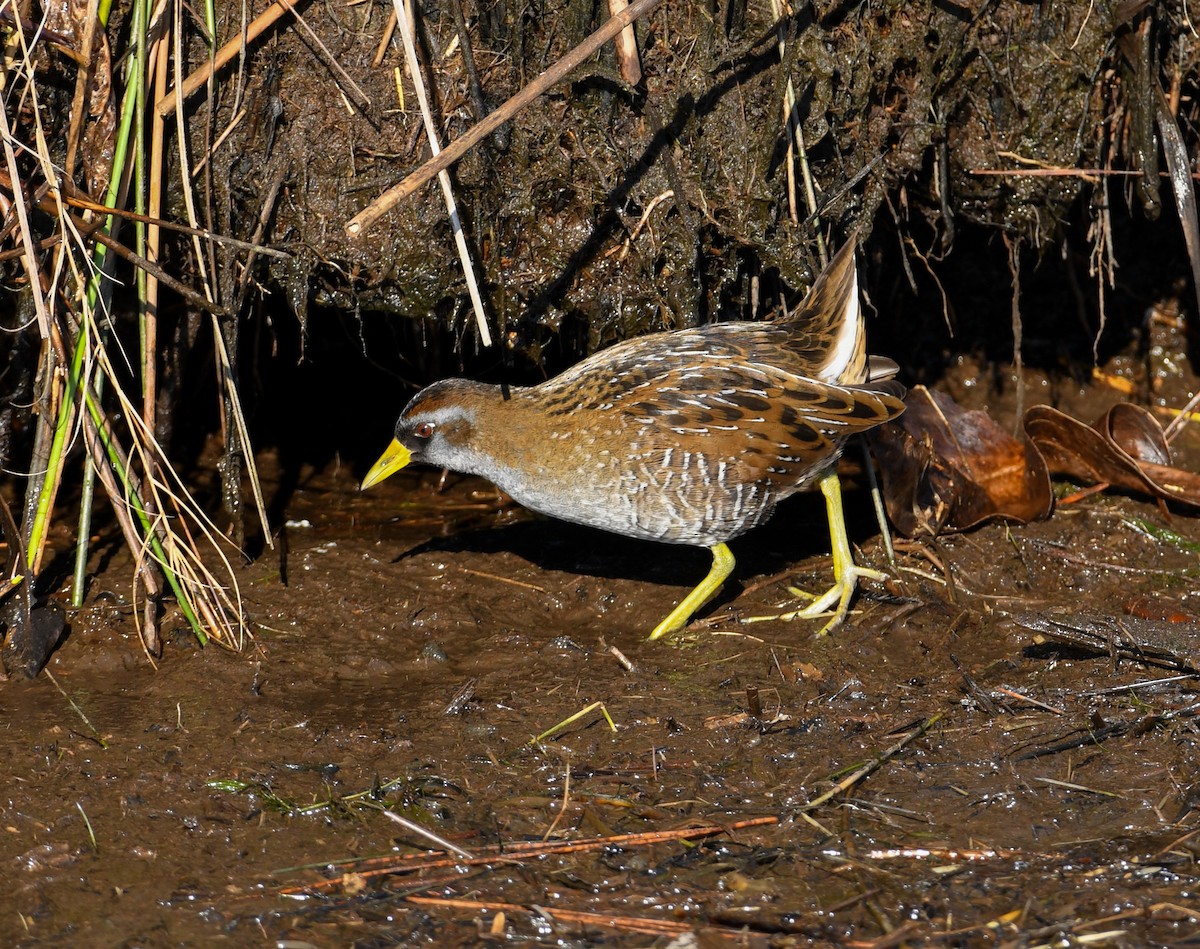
(949, 469)
(1126, 448)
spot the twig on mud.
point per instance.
(1134, 686)
(460, 146)
(1032, 701)
(1082, 738)
(633, 924)
(852, 779)
(1071, 786)
(1087, 174)
(956, 855)
(429, 835)
(516, 851)
(508, 580)
(555, 729)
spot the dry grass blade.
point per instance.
(631, 924)
(88, 374)
(571, 719)
(405, 18)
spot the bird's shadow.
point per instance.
(798, 531)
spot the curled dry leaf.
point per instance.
(945, 468)
(949, 469)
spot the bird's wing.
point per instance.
(763, 422)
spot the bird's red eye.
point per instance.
(424, 430)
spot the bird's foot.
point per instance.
(840, 593)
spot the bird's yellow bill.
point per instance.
(392, 460)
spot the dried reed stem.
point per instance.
(404, 17)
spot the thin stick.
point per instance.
(388, 29)
(516, 851)
(626, 46)
(1085, 173)
(404, 18)
(72, 197)
(429, 835)
(460, 146)
(259, 25)
(649, 926)
(161, 275)
(851, 779)
(360, 98)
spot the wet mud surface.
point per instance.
(1025, 793)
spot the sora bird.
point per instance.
(688, 436)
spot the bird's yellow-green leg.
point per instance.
(722, 567)
(846, 573)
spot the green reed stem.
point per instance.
(134, 500)
(131, 121)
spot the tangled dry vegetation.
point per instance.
(173, 175)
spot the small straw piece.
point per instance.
(404, 14)
(427, 834)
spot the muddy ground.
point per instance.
(1025, 794)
